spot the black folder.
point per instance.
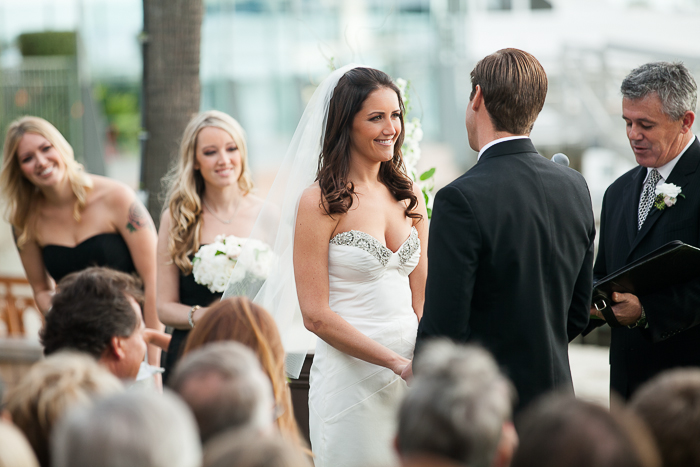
(673, 263)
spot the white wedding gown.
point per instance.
(353, 404)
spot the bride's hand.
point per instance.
(400, 364)
(407, 373)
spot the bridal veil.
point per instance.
(275, 226)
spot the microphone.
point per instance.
(560, 159)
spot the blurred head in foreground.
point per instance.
(561, 431)
(135, 429)
(240, 320)
(226, 389)
(15, 451)
(50, 388)
(251, 450)
(458, 410)
(670, 406)
(98, 311)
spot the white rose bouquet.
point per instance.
(213, 265)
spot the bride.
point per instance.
(355, 237)
(359, 274)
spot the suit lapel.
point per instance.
(681, 176)
(632, 192)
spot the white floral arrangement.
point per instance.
(411, 149)
(213, 265)
(666, 195)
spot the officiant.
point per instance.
(649, 206)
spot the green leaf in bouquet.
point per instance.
(219, 252)
(427, 174)
(430, 213)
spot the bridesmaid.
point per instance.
(209, 195)
(65, 219)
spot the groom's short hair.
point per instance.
(457, 405)
(514, 86)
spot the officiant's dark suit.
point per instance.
(668, 334)
(511, 241)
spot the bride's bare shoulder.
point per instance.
(311, 202)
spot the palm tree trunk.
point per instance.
(171, 90)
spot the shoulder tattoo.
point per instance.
(138, 218)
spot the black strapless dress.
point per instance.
(106, 249)
(191, 294)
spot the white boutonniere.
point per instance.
(666, 195)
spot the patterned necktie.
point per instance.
(648, 197)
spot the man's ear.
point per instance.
(478, 99)
(506, 446)
(688, 120)
(116, 348)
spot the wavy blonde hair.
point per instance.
(20, 193)
(186, 186)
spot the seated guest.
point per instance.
(458, 411)
(49, 389)
(670, 405)
(135, 429)
(15, 451)
(249, 450)
(98, 311)
(226, 389)
(240, 320)
(561, 431)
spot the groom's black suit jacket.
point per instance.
(510, 264)
(673, 337)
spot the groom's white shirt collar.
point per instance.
(666, 169)
(499, 140)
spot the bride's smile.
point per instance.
(377, 126)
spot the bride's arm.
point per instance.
(419, 275)
(312, 234)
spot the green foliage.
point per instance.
(47, 43)
(427, 174)
(120, 104)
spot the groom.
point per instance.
(511, 241)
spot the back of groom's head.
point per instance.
(514, 86)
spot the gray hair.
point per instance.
(457, 405)
(672, 82)
(226, 388)
(135, 429)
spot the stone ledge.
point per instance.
(14, 349)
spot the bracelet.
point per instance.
(189, 315)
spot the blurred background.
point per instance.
(79, 64)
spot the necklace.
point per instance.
(223, 221)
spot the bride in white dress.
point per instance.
(346, 229)
(360, 272)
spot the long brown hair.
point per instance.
(186, 185)
(337, 191)
(238, 319)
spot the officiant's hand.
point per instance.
(627, 308)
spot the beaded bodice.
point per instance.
(368, 281)
(372, 246)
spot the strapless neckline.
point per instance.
(374, 247)
(87, 240)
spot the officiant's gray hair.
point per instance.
(136, 428)
(672, 82)
(457, 405)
